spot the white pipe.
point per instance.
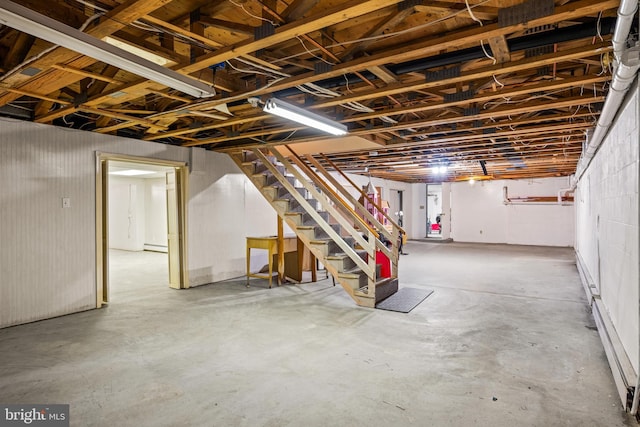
(564, 191)
(628, 63)
(571, 189)
(626, 11)
(507, 201)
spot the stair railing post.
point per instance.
(395, 251)
(371, 256)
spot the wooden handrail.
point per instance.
(357, 187)
(323, 201)
(325, 188)
(353, 200)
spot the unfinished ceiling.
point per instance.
(490, 89)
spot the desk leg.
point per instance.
(248, 264)
(314, 270)
(280, 251)
(270, 267)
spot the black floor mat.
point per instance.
(405, 300)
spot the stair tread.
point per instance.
(379, 283)
(321, 241)
(351, 274)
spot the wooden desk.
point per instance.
(269, 243)
(298, 258)
(279, 245)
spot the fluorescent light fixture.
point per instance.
(45, 28)
(131, 172)
(300, 115)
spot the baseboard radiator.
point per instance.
(623, 373)
(155, 248)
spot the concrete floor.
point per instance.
(505, 340)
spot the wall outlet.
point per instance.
(66, 202)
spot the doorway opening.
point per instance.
(141, 223)
(396, 208)
(434, 211)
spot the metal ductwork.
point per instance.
(575, 32)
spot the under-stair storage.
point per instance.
(335, 227)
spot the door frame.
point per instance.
(102, 220)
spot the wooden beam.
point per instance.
(340, 13)
(202, 38)
(386, 24)
(500, 49)
(233, 27)
(509, 110)
(487, 96)
(170, 95)
(52, 80)
(36, 95)
(355, 8)
(552, 85)
(485, 72)
(297, 9)
(383, 74)
(86, 73)
(486, 13)
(18, 50)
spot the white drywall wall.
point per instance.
(48, 253)
(155, 202)
(607, 224)
(478, 213)
(411, 211)
(127, 214)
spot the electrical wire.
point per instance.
(93, 5)
(46, 51)
(598, 26)
(391, 34)
(241, 6)
(471, 13)
(304, 46)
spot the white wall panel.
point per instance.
(225, 208)
(155, 202)
(607, 225)
(127, 213)
(47, 255)
(478, 213)
(417, 213)
(411, 214)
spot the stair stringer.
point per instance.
(260, 181)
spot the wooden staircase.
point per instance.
(328, 220)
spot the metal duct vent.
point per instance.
(265, 30)
(321, 67)
(459, 96)
(543, 71)
(525, 12)
(472, 111)
(539, 29)
(537, 51)
(445, 73)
